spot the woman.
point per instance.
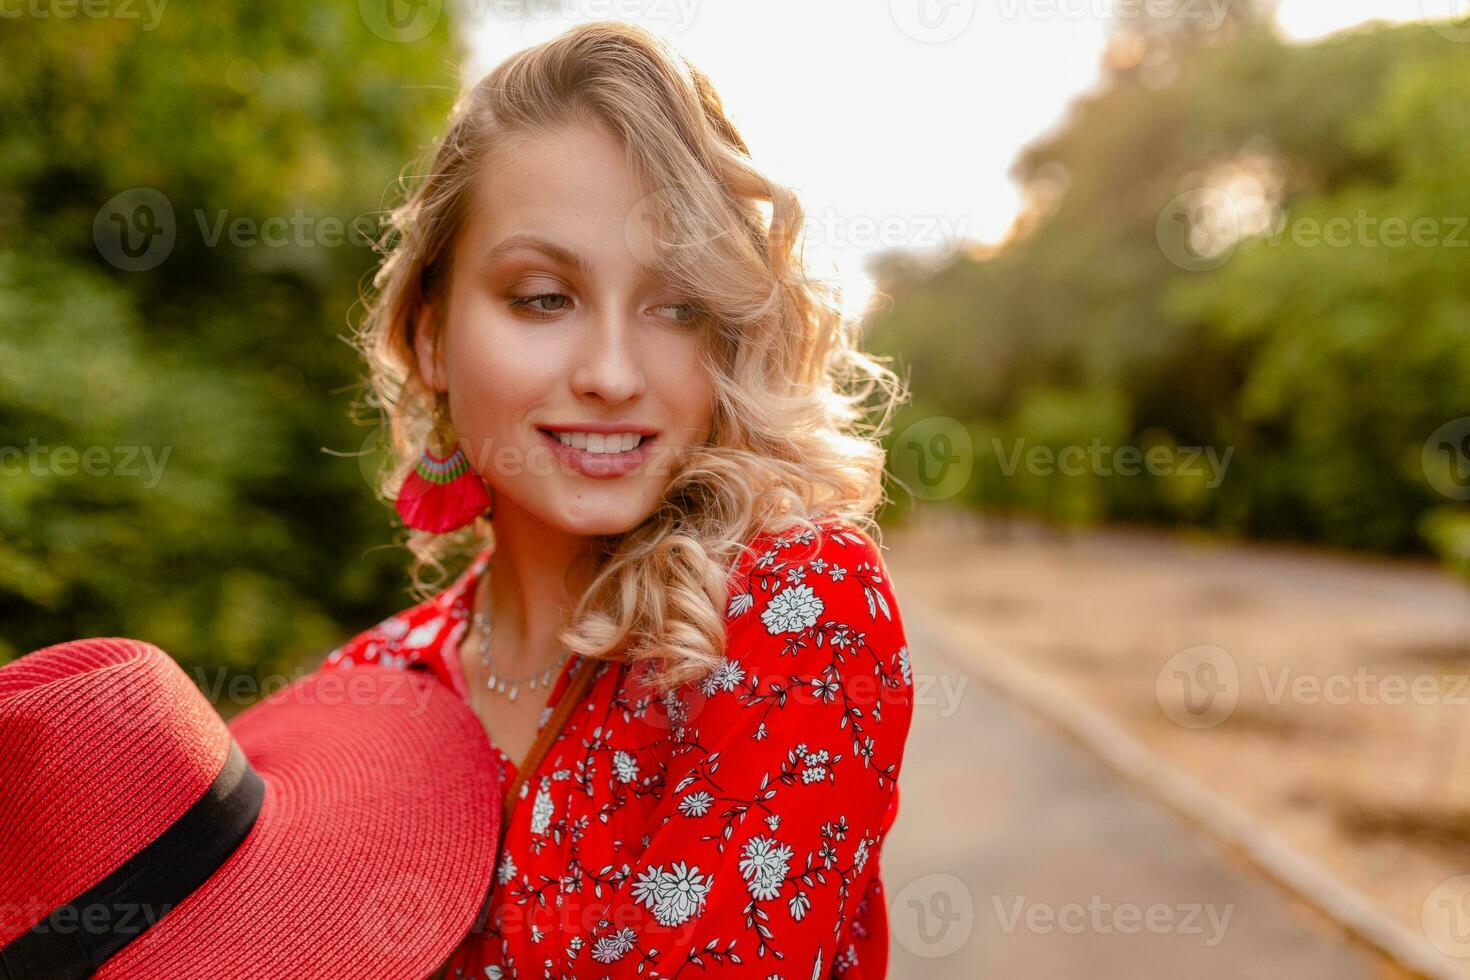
(595, 341)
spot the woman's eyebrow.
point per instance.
(553, 251)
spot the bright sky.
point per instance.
(896, 120)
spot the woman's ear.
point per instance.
(426, 348)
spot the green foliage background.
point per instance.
(256, 549)
(1325, 369)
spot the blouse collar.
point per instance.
(456, 599)
(454, 605)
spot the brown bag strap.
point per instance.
(571, 697)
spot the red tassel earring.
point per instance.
(443, 492)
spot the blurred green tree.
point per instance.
(187, 210)
(1165, 257)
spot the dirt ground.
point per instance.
(1327, 695)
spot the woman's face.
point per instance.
(556, 333)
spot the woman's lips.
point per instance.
(599, 466)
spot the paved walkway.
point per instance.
(1017, 856)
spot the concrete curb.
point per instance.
(1124, 755)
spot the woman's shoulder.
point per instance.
(833, 551)
(814, 645)
(804, 588)
(411, 636)
(397, 641)
(831, 534)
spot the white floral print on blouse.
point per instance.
(732, 827)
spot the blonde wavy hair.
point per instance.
(799, 409)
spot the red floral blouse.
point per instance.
(732, 827)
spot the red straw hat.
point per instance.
(345, 825)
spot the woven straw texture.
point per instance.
(372, 853)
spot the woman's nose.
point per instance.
(609, 361)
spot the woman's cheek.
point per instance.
(693, 390)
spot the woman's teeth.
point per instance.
(596, 442)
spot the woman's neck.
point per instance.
(533, 579)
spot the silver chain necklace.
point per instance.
(510, 686)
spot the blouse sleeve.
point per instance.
(783, 780)
(399, 641)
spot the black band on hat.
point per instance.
(76, 938)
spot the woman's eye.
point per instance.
(681, 312)
(543, 303)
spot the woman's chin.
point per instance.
(601, 513)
